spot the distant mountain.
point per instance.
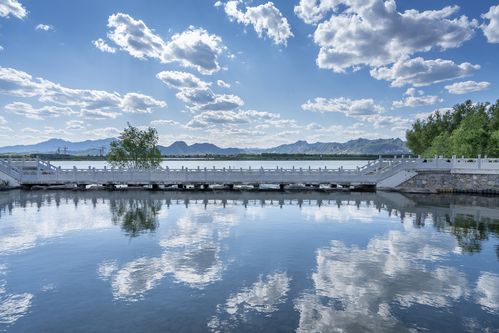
(88, 147)
(94, 147)
(353, 147)
(182, 148)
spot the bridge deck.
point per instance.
(35, 172)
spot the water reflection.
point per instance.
(487, 288)
(355, 289)
(135, 216)
(12, 306)
(263, 296)
(191, 255)
(379, 260)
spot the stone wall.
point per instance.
(441, 182)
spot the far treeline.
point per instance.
(469, 129)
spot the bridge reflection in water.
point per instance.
(470, 218)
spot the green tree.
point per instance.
(468, 129)
(135, 149)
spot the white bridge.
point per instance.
(380, 173)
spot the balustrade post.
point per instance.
(479, 162)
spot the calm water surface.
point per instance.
(246, 262)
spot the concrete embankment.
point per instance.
(447, 182)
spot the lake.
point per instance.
(138, 261)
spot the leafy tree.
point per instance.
(468, 129)
(135, 149)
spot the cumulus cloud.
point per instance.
(28, 111)
(313, 11)
(415, 98)
(3, 121)
(212, 118)
(89, 102)
(193, 48)
(491, 29)
(349, 107)
(75, 125)
(196, 93)
(465, 87)
(163, 122)
(103, 46)
(266, 19)
(44, 27)
(139, 103)
(374, 33)
(419, 72)
(12, 7)
(181, 80)
(223, 84)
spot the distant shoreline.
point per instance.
(240, 157)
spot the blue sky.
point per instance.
(240, 73)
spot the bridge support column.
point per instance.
(109, 187)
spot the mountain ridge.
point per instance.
(360, 146)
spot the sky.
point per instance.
(240, 73)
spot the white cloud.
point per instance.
(3, 121)
(89, 102)
(212, 118)
(163, 122)
(465, 87)
(98, 114)
(218, 4)
(44, 27)
(223, 84)
(349, 107)
(313, 11)
(419, 72)
(193, 48)
(265, 19)
(374, 33)
(182, 80)
(28, 111)
(491, 29)
(104, 133)
(12, 7)
(139, 103)
(221, 103)
(75, 125)
(103, 46)
(197, 94)
(415, 98)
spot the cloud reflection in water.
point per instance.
(357, 289)
(191, 255)
(263, 296)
